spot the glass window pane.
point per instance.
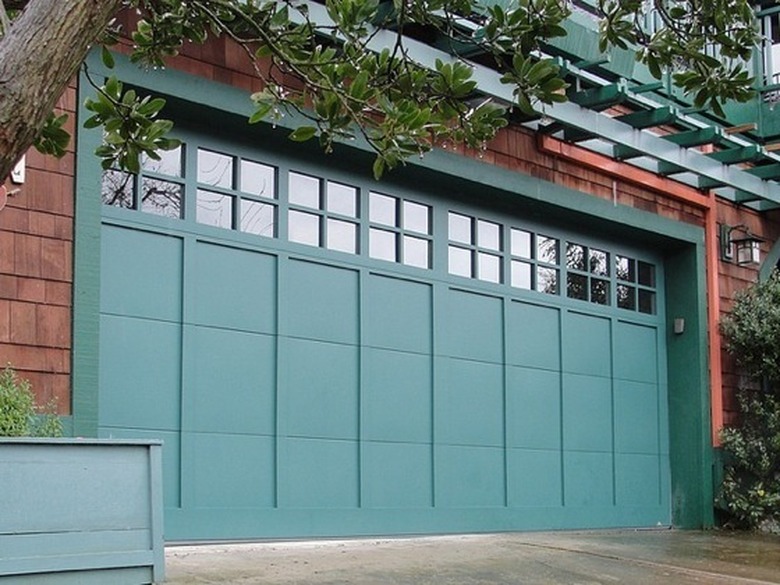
(547, 280)
(257, 179)
(118, 189)
(342, 236)
(417, 218)
(303, 228)
(215, 169)
(646, 302)
(625, 268)
(460, 228)
(417, 252)
(577, 286)
(460, 262)
(599, 263)
(488, 235)
(521, 243)
(214, 209)
(576, 257)
(547, 249)
(521, 275)
(382, 245)
(169, 163)
(599, 291)
(626, 297)
(161, 198)
(489, 267)
(646, 274)
(342, 199)
(383, 209)
(304, 190)
(258, 218)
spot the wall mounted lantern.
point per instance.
(738, 243)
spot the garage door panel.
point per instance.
(233, 288)
(321, 302)
(140, 374)
(397, 475)
(398, 314)
(587, 345)
(140, 274)
(230, 470)
(472, 326)
(636, 352)
(397, 396)
(533, 336)
(587, 413)
(321, 390)
(637, 480)
(318, 473)
(171, 457)
(533, 402)
(587, 479)
(365, 384)
(233, 383)
(534, 478)
(469, 476)
(470, 404)
(636, 417)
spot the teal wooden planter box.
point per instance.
(81, 511)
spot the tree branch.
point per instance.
(39, 56)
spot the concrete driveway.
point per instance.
(582, 558)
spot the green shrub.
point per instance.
(752, 330)
(19, 417)
(751, 485)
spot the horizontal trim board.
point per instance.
(78, 562)
(204, 524)
(121, 576)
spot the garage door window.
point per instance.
(399, 231)
(534, 261)
(158, 189)
(636, 282)
(323, 213)
(587, 277)
(475, 248)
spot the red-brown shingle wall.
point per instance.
(36, 272)
(734, 278)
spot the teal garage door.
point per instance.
(327, 355)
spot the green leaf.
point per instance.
(107, 57)
(152, 107)
(378, 167)
(260, 113)
(303, 133)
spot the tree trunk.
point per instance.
(38, 57)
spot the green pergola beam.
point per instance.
(666, 169)
(585, 64)
(771, 171)
(650, 118)
(577, 134)
(645, 87)
(740, 154)
(744, 196)
(573, 114)
(698, 137)
(599, 98)
(623, 152)
(707, 183)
